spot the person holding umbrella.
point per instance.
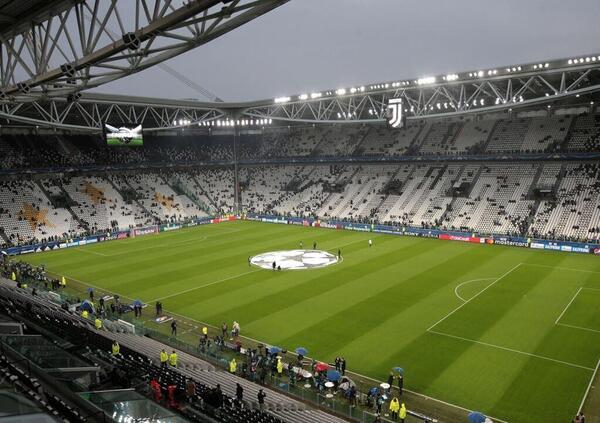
(301, 351)
(400, 376)
(390, 381)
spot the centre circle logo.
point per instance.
(294, 259)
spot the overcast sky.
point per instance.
(311, 45)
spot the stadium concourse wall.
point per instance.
(460, 236)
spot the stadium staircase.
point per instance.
(180, 189)
(3, 237)
(385, 198)
(490, 136)
(69, 324)
(534, 183)
(206, 194)
(63, 146)
(420, 138)
(358, 149)
(66, 204)
(567, 139)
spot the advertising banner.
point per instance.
(145, 231)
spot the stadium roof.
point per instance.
(36, 90)
(545, 84)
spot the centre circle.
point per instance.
(294, 259)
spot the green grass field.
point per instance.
(512, 332)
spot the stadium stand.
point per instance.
(138, 359)
(477, 196)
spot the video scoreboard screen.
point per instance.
(123, 135)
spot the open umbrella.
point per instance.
(87, 306)
(374, 390)
(301, 351)
(333, 375)
(476, 417)
(321, 367)
(90, 290)
(399, 370)
(274, 350)
(137, 303)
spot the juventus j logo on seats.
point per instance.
(395, 105)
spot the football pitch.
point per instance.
(511, 332)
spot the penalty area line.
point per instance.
(511, 350)
(466, 282)
(567, 306)
(203, 286)
(474, 296)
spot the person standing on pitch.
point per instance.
(400, 384)
(339, 254)
(301, 245)
(274, 265)
(224, 329)
(314, 245)
(370, 243)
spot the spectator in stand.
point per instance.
(261, 399)
(164, 358)
(116, 349)
(218, 396)
(190, 390)
(173, 359)
(239, 394)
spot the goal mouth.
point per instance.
(294, 259)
